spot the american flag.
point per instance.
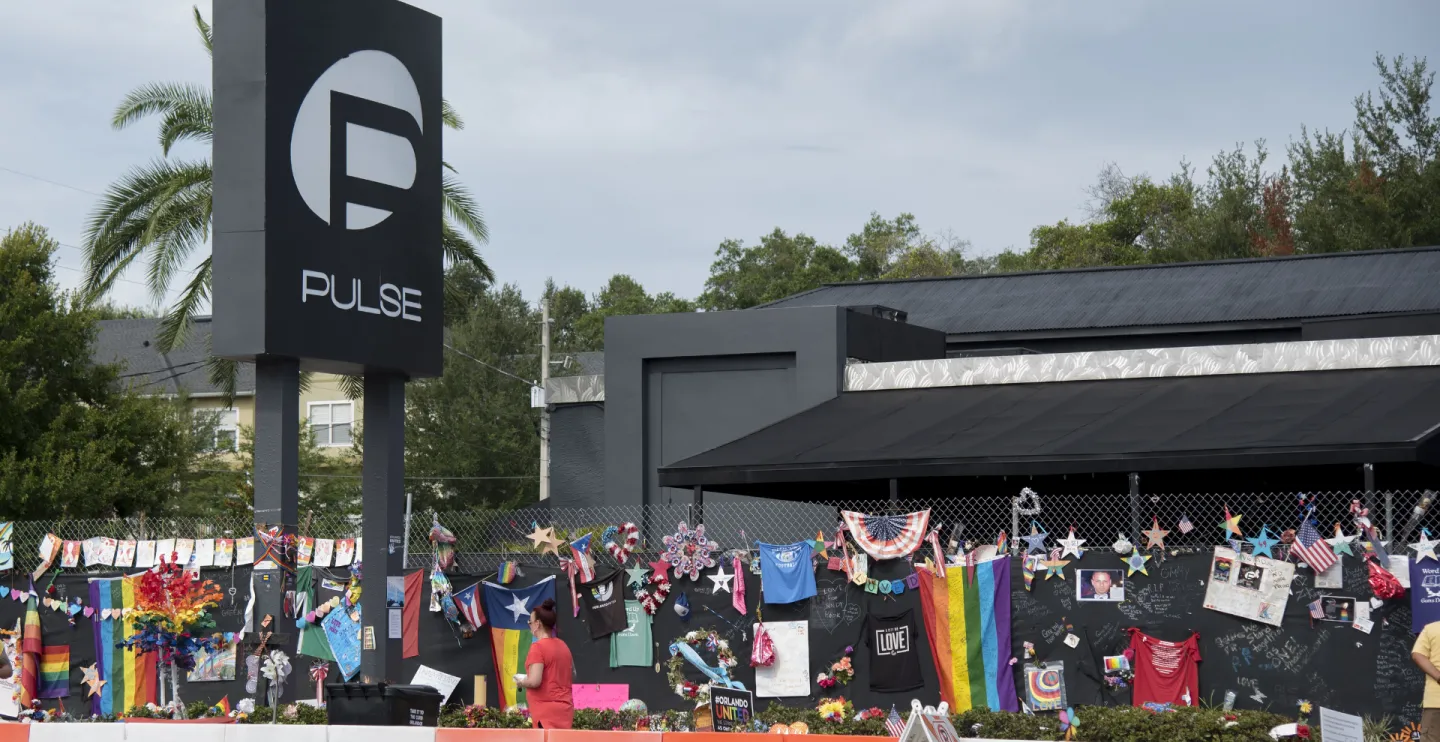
(468, 601)
(1312, 549)
(894, 724)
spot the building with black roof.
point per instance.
(1268, 374)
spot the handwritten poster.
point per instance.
(145, 554)
(1248, 586)
(205, 552)
(344, 635)
(789, 676)
(125, 554)
(224, 551)
(446, 683)
(600, 695)
(324, 548)
(244, 551)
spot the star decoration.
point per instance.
(1425, 547)
(820, 545)
(92, 680)
(1056, 567)
(1156, 535)
(1071, 545)
(1264, 542)
(660, 566)
(721, 580)
(1232, 523)
(1036, 539)
(518, 607)
(1341, 543)
(638, 575)
(545, 540)
(1136, 563)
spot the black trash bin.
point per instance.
(382, 705)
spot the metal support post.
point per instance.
(1135, 506)
(382, 495)
(277, 471)
(545, 407)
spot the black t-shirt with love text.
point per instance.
(894, 653)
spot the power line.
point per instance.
(463, 354)
(51, 182)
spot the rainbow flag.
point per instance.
(968, 624)
(509, 614)
(30, 648)
(224, 706)
(130, 677)
(54, 673)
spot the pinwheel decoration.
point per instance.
(689, 551)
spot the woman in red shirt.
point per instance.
(550, 668)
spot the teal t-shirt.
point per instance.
(632, 647)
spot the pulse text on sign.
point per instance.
(390, 300)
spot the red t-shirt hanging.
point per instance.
(1165, 672)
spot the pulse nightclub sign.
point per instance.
(327, 243)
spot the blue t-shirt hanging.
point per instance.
(786, 574)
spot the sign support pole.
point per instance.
(383, 499)
(277, 469)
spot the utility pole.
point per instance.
(544, 403)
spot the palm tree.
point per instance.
(161, 211)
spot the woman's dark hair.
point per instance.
(546, 613)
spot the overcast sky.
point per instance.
(632, 137)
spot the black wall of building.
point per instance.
(1329, 664)
(577, 455)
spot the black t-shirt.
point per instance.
(894, 653)
(604, 603)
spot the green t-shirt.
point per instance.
(632, 647)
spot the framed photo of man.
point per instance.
(1100, 585)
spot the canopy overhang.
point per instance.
(1186, 423)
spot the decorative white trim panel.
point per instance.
(1205, 360)
(575, 389)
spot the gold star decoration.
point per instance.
(93, 680)
(1156, 535)
(545, 540)
(1055, 567)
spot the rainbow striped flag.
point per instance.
(224, 706)
(130, 677)
(54, 672)
(968, 624)
(30, 647)
(509, 614)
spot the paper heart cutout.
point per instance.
(17, 596)
(75, 610)
(105, 614)
(89, 611)
(4, 592)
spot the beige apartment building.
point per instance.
(131, 344)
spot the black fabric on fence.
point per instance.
(1329, 664)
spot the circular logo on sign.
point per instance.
(370, 154)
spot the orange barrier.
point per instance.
(453, 734)
(576, 735)
(14, 732)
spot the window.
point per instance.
(226, 427)
(330, 422)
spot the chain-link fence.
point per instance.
(484, 538)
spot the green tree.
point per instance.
(473, 428)
(1383, 189)
(161, 212)
(72, 444)
(783, 265)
